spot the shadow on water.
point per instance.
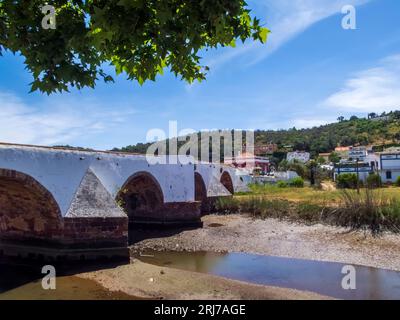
(320, 277)
(20, 279)
(23, 281)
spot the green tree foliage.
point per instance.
(297, 182)
(137, 37)
(296, 166)
(374, 181)
(282, 184)
(327, 137)
(381, 133)
(398, 181)
(347, 181)
(334, 157)
(321, 160)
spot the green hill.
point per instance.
(383, 130)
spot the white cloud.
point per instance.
(310, 122)
(372, 90)
(286, 19)
(57, 123)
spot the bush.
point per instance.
(282, 184)
(297, 182)
(374, 181)
(368, 210)
(347, 181)
(398, 181)
(226, 205)
(309, 212)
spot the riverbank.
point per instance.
(241, 233)
(230, 233)
(152, 282)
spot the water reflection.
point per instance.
(25, 283)
(320, 277)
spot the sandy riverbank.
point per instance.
(238, 233)
(152, 282)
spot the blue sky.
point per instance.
(310, 72)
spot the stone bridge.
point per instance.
(59, 203)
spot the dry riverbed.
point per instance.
(239, 233)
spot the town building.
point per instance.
(252, 163)
(325, 156)
(301, 156)
(359, 153)
(361, 168)
(261, 150)
(343, 152)
(389, 166)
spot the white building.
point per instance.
(301, 156)
(361, 168)
(390, 166)
(358, 153)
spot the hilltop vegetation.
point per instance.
(383, 130)
(377, 130)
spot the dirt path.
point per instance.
(238, 233)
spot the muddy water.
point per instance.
(25, 283)
(320, 277)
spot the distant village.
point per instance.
(360, 160)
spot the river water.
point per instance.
(18, 282)
(320, 277)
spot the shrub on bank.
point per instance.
(297, 182)
(282, 184)
(374, 181)
(227, 205)
(347, 181)
(366, 211)
(398, 181)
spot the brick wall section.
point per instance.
(27, 209)
(182, 211)
(29, 214)
(95, 232)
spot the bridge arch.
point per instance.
(200, 192)
(27, 209)
(227, 182)
(141, 197)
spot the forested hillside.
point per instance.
(378, 130)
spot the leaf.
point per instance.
(264, 35)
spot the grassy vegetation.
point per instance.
(380, 132)
(373, 210)
(309, 194)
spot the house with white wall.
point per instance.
(301, 156)
(361, 168)
(389, 166)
